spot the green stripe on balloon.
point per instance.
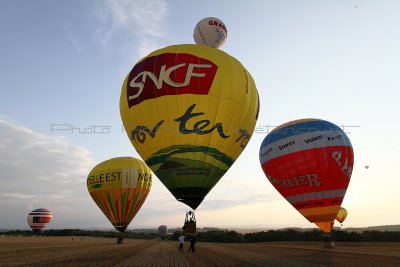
(132, 208)
(124, 197)
(163, 154)
(111, 204)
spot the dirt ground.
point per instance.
(92, 251)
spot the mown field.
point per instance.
(94, 251)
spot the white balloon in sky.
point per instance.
(210, 31)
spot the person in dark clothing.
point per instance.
(192, 243)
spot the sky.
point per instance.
(63, 63)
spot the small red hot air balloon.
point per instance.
(39, 219)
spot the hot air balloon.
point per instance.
(119, 187)
(39, 219)
(162, 231)
(210, 31)
(189, 111)
(341, 215)
(309, 162)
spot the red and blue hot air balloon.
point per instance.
(309, 162)
(39, 219)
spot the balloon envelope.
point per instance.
(119, 187)
(341, 215)
(310, 163)
(162, 230)
(189, 111)
(39, 219)
(211, 32)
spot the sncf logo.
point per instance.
(169, 74)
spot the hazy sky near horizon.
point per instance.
(63, 63)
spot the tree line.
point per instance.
(233, 236)
(293, 235)
(78, 232)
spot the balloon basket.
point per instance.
(328, 242)
(120, 240)
(189, 227)
(329, 245)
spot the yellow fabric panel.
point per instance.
(118, 173)
(223, 104)
(326, 213)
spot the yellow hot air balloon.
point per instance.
(119, 187)
(341, 215)
(189, 111)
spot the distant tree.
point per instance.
(176, 235)
(220, 236)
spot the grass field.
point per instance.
(93, 251)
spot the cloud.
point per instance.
(18, 195)
(39, 171)
(75, 41)
(144, 19)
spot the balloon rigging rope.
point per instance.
(215, 206)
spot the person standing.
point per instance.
(181, 242)
(192, 243)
